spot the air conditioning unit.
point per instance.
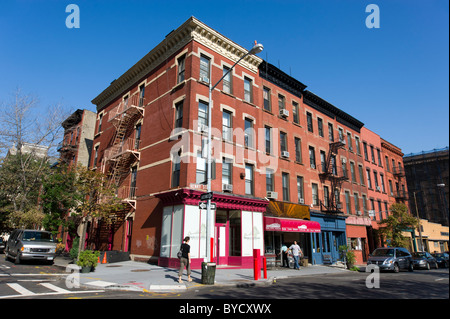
(285, 154)
(284, 113)
(338, 205)
(313, 166)
(272, 195)
(301, 200)
(358, 213)
(203, 128)
(379, 188)
(227, 187)
(204, 79)
(350, 148)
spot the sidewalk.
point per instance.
(139, 276)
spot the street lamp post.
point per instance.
(418, 219)
(255, 50)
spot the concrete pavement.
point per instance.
(143, 277)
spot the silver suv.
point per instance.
(391, 258)
(28, 244)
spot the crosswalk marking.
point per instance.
(21, 290)
(55, 288)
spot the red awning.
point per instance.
(290, 225)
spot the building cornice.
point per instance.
(191, 30)
(391, 147)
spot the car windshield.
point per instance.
(37, 236)
(419, 255)
(383, 253)
(439, 255)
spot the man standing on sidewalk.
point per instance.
(297, 253)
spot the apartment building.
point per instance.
(287, 164)
(76, 146)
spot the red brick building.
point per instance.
(286, 162)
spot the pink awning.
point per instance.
(290, 225)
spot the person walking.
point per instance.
(296, 253)
(185, 260)
(284, 253)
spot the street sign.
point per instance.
(206, 196)
(204, 205)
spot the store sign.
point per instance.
(291, 225)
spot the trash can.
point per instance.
(208, 273)
(305, 262)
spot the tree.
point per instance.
(97, 198)
(399, 221)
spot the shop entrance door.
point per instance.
(221, 245)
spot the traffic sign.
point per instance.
(204, 205)
(206, 196)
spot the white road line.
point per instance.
(55, 288)
(52, 293)
(23, 291)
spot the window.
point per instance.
(391, 190)
(341, 135)
(95, 155)
(366, 154)
(361, 175)
(176, 173)
(283, 142)
(358, 146)
(298, 150)
(375, 178)
(352, 171)
(364, 202)
(315, 194)
(387, 163)
(281, 102)
(133, 182)
(201, 169)
(285, 184)
(137, 136)
(295, 112)
(179, 115)
(347, 202)
(248, 133)
(248, 90)
(349, 142)
(267, 138)
(355, 197)
(379, 157)
(309, 121)
(300, 194)
(227, 80)
(344, 167)
(326, 196)
(320, 126)
(330, 132)
(227, 167)
(141, 95)
(312, 157)
(373, 154)
(204, 68)
(100, 119)
(269, 180)
(266, 98)
(333, 164)
(181, 64)
(248, 179)
(323, 161)
(369, 180)
(202, 114)
(383, 188)
(227, 129)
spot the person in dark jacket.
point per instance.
(185, 260)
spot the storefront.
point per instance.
(325, 245)
(285, 223)
(237, 228)
(357, 228)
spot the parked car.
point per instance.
(391, 258)
(442, 259)
(28, 244)
(2, 245)
(423, 259)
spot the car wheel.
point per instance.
(428, 266)
(411, 267)
(396, 268)
(436, 266)
(17, 260)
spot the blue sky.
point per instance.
(394, 79)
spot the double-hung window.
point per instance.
(227, 167)
(249, 179)
(227, 80)
(227, 129)
(179, 115)
(248, 88)
(285, 186)
(181, 68)
(204, 68)
(202, 115)
(266, 99)
(248, 133)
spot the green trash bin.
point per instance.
(208, 273)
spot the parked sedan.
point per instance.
(423, 259)
(442, 259)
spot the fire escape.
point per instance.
(336, 176)
(124, 149)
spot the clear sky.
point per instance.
(394, 79)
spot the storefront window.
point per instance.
(235, 233)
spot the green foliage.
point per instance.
(88, 258)
(398, 221)
(73, 253)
